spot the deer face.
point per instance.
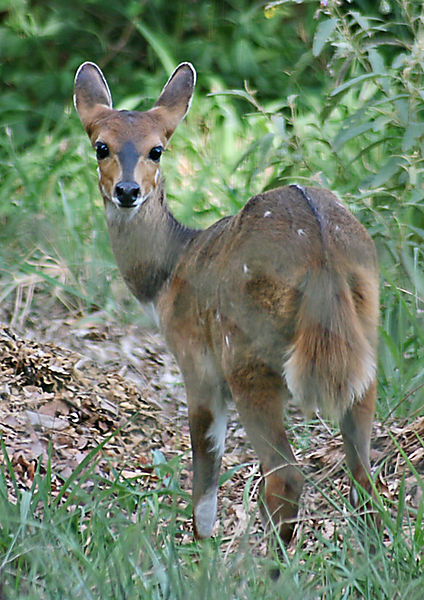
(128, 148)
(129, 144)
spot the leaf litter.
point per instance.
(104, 378)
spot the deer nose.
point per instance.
(127, 192)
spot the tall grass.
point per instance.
(112, 539)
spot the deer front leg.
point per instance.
(208, 422)
(258, 393)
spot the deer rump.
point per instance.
(280, 284)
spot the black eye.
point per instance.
(102, 150)
(155, 153)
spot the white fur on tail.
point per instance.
(331, 363)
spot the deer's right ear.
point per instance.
(90, 92)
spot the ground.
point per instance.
(69, 382)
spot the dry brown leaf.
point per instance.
(42, 420)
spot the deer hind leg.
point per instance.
(258, 394)
(356, 427)
(208, 422)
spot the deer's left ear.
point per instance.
(91, 92)
(175, 98)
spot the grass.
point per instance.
(112, 540)
(359, 134)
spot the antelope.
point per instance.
(280, 299)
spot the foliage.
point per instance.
(121, 542)
(135, 42)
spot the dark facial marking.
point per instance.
(128, 157)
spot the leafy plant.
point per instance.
(91, 538)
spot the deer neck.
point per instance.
(147, 243)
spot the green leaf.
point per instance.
(391, 167)
(25, 505)
(236, 93)
(322, 34)
(346, 134)
(402, 107)
(354, 81)
(412, 133)
(362, 21)
(377, 61)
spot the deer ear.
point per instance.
(175, 99)
(90, 92)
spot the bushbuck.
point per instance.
(279, 299)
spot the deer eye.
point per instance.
(155, 153)
(102, 150)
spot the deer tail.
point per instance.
(332, 362)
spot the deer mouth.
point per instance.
(128, 194)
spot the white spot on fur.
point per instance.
(218, 316)
(217, 430)
(227, 341)
(354, 497)
(290, 374)
(245, 269)
(301, 232)
(205, 514)
(267, 213)
(217, 406)
(359, 385)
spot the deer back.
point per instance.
(291, 279)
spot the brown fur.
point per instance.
(282, 297)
